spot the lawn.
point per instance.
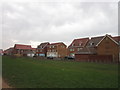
(32, 73)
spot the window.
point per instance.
(71, 49)
(91, 43)
(73, 44)
(80, 44)
(62, 46)
(119, 42)
(79, 49)
(53, 46)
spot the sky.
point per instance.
(34, 22)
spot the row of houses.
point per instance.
(102, 47)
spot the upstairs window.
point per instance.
(92, 43)
(79, 49)
(73, 44)
(119, 42)
(53, 46)
(71, 49)
(80, 44)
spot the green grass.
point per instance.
(32, 73)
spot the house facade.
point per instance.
(42, 49)
(23, 50)
(9, 51)
(57, 50)
(76, 46)
(100, 48)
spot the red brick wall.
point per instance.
(93, 58)
(108, 47)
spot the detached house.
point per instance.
(42, 49)
(9, 51)
(23, 50)
(57, 50)
(100, 48)
(76, 46)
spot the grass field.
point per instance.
(32, 73)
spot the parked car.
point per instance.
(49, 57)
(69, 57)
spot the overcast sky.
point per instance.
(36, 22)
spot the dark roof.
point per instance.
(94, 41)
(116, 38)
(79, 42)
(56, 43)
(43, 45)
(20, 46)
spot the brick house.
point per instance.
(57, 50)
(108, 46)
(102, 47)
(9, 51)
(23, 50)
(42, 49)
(76, 46)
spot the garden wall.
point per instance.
(93, 58)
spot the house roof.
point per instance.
(94, 41)
(79, 42)
(116, 38)
(43, 45)
(56, 43)
(20, 46)
(110, 37)
(8, 50)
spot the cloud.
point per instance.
(36, 22)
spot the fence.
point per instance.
(93, 58)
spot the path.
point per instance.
(4, 84)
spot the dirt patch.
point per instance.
(5, 84)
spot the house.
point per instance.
(23, 50)
(76, 46)
(1, 52)
(8, 51)
(57, 50)
(108, 46)
(117, 39)
(42, 49)
(103, 47)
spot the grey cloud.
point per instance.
(54, 22)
